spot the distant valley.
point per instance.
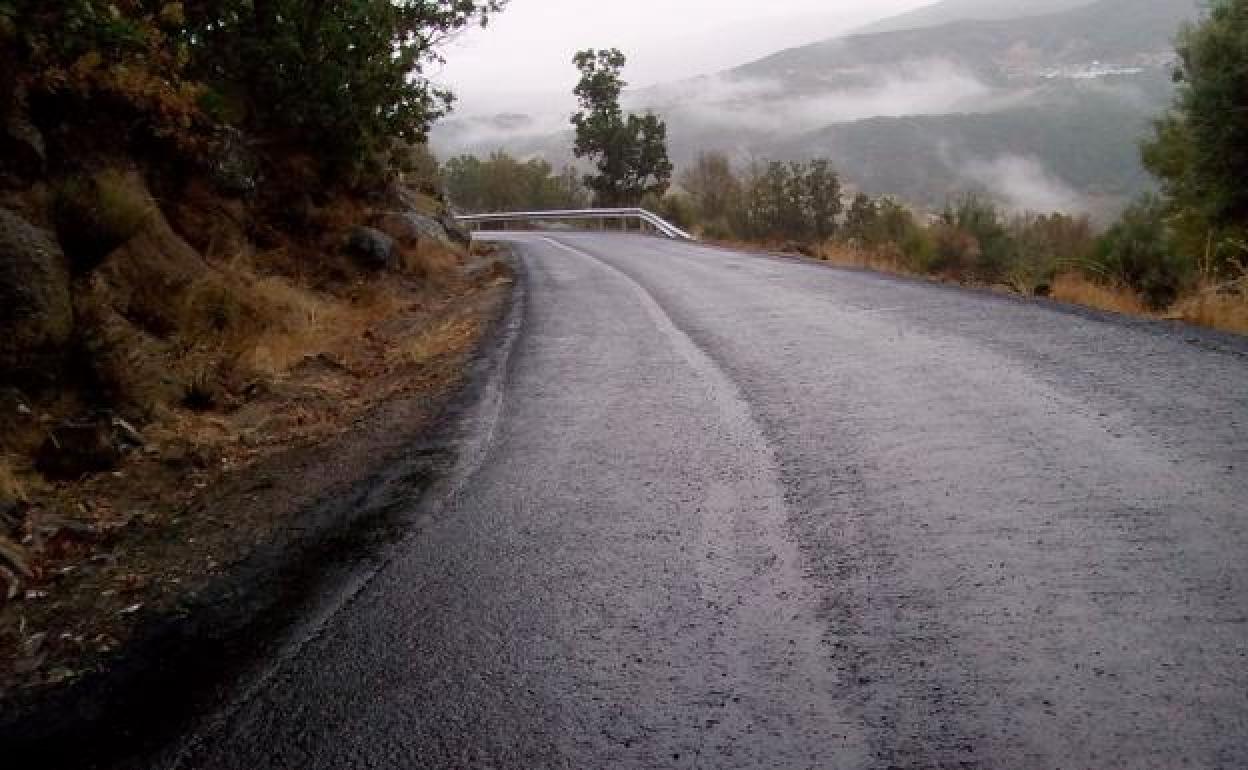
(1041, 111)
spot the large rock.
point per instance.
(23, 152)
(22, 149)
(36, 312)
(372, 249)
(456, 231)
(77, 447)
(410, 228)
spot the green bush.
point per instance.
(1137, 252)
(341, 77)
(503, 183)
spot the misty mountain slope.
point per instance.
(920, 112)
(948, 11)
(1082, 157)
(1113, 33)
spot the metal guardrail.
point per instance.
(660, 225)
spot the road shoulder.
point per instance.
(331, 508)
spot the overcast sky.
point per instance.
(525, 55)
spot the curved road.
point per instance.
(739, 511)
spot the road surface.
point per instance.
(739, 511)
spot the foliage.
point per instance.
(677, 208)
(85, 58)
(341, 77)
(714, 190)
(1199, 149)
(338, 74)
(502, 183)
(789, 201)
(972, 240)
(628, 151)
(989, 249)
(821, 187)
(1137, 252)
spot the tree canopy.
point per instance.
(1200, 148)
(502, 183)
(340, 77)
(629, 151)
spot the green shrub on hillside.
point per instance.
(1137, 252)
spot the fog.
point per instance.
(762, 106)
(525, 54)
(911, 88)
(1023, 184)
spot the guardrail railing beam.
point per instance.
(602, 216)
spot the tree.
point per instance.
(1200, 148)
(713, 186)
(337, 79)
(341, 77)
(629, 151)
(861, 220)
(823, 198)
(1137, 252)
(502, 183)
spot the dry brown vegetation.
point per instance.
(1222, 307)
(1079, 290)
(883, 260)
(10, 487)
(232, 343)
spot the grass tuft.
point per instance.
(1080, 290)
(1222, 307)
(11, 488)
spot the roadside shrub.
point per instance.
(1044, 245)
(719, 229)
(980, 222)
(954, 251)
(1138, 253)
(674, 207)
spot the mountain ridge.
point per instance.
(1101, 69)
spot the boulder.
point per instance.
(36, 312)
(372, 249)
(22, 149)
(456, 231)
(75, 448)
(12, 514)
(410, 227)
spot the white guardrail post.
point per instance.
(660, 225)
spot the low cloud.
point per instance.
(763, 105)
(755, 105)
(1024, 184)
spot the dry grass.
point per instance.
(1226, 310)
(845, 255)
(1079, 290)
(302, 323)
(11, 487)
(430, 261)
(447, 336)
(270, 323)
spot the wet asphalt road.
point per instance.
(745, 512)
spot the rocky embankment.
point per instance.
(193, 391)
